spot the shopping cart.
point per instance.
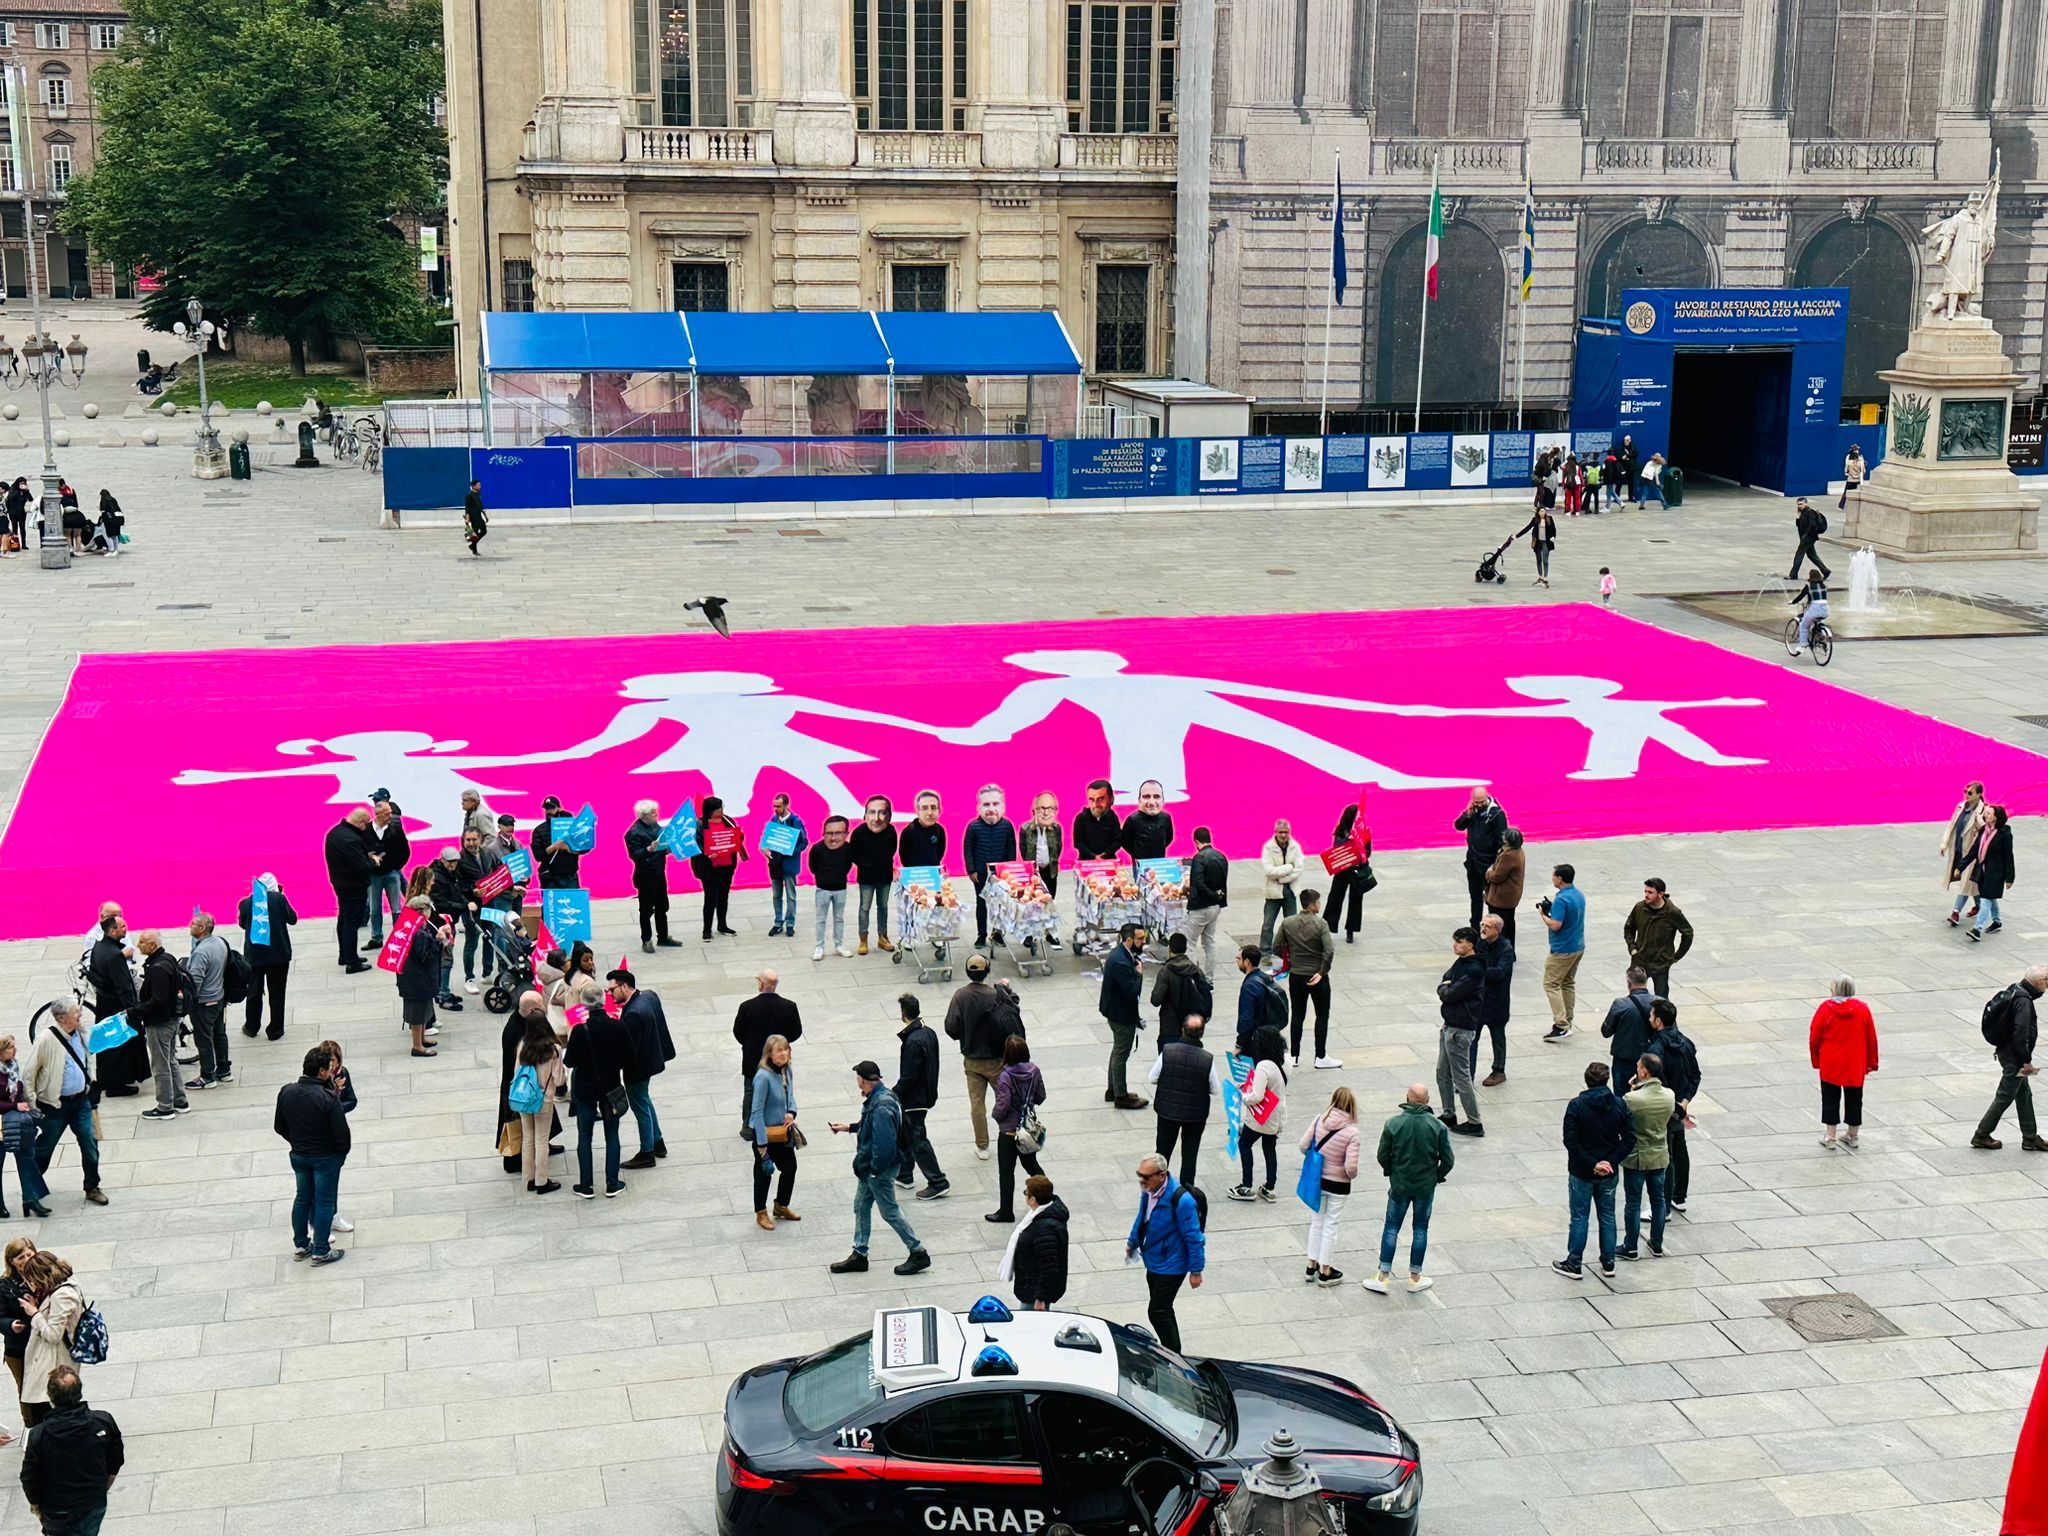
(1021, 910)
(928, 917)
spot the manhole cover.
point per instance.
(1830, 1318)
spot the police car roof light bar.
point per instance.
(989, 1309)
(994, 1361)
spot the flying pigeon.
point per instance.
(714, 611)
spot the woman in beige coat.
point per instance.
(1504, 881)
(1965, 827)
(53, 1304)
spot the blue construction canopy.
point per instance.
(779, 343)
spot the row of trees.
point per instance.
(253, 152)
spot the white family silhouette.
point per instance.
(736, 725)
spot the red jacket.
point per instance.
(2026, 1496)
(1843, 1042)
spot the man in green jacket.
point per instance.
(1415, 1155)
(1650, 1106)
(1657, 935)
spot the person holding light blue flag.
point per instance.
(266, 916)
(648, 845)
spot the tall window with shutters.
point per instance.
(1451, 68)
(515, 286)
(693, 62)
(1870, 69)
(1679, 59)
(910, 64)
(1123, 303)
(1121, 67)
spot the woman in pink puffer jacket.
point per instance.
(1335, 1131)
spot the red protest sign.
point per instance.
(1083, 868)
(721, 839)
(496, 883)
(399, 940)
(1340, 858)
(575, 1014)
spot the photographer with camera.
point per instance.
(1564, 914)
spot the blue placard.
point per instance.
(1344, 463)
(1261, 463)
(495, 916)
(779, 837)
(520, 862)
(679, 837)
(567, 913)
(930, 876)
(109, 1033)
(1116, 466)
(259, 912)
(1236, 1069)
(1514, 457)
(1160, 869)
(578, 833)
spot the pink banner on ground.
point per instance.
(1583, 723)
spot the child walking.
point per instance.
(1606, 586)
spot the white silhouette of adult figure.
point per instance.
(1146, 717)
(405, 762)
(735, 725)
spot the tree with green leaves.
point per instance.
(252, 153)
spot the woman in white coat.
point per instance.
(53, 1304)
(1965, 827)
(1265, 1114)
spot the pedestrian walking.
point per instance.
(1965, 826)
(875, 1158)
(1599, 1134)
(17, 1133)
(155, 1016)
(1167, 1237)
(1331, 1145)
(270, 964)
(991, 838)
(1019, 1092)
(1989, 865)
(60, 1082)
(1208, 895)
(71, 1460)
(1650, 1105)
(539, 1078)
(783, 868)
(1310, 949)
(1627, 1026)
(1504, 877)
(1186, 1087)
(2012, 1030)
(776, 1138)
(1626, 460)
(1461, 1000)
(653, 1049)
(874, 863)
(347, 851)
(1264, 1117)
(1681, 1063)
(1542, 531)
(725, 849)
(599, 1058)
(1842, 1042)
(650, 877)
(475, 523)
(53, 1304)
(1180, 989)
(764, 1014)
(1035, 1261)
(831, 867)
(1280, 864)
(1260, 1002)
(1564, 914)
(313, 1123)
(1485, 826)
(980, 1019)
(208, 967)
(1122, 985)
(1348, 887)
(1497, 959)
(1852, 474)
(1415, 1155)
(1656, 935)
(1809, 525)
(917, 1093)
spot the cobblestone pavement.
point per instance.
(487, 1363)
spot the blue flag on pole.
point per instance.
(520, 862)
(679, 837)
(578, 833)
(1337, 274)
(567, 913)
(1235, 1068)
(259, 913)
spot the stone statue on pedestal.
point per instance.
(1959, 249)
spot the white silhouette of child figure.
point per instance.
(428, 786)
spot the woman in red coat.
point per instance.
(1843, 1044)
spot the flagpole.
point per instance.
(1330, 292)
(1522, 339)
(1422, 341)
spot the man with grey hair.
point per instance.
(1167, 1237)
(478, 817)
(209, 967)
(60, 1081)
(650, 876)
(2011, 1027)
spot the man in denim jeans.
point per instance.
(390, 848)
(60, 1081)
(875, 1156)
(1416, 1156)
(1598, 1135)
(311, 1120)
(653, 1049)
(831, 865)
(784, 867)
(1650, 1105)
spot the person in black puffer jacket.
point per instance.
(1036, 1263)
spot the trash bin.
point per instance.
(238, 461)
(142, 359)
(1674, 486)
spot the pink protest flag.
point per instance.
(398, 941)
(575, 1014)
(612, 1006)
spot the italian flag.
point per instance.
(1432, 259)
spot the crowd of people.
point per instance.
(96, 535)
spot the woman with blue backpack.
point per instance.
(537, 1080)
(1329, 1163)
(63, 1329)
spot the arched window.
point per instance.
(1872, 262)
(1464, 320)
(1645, 255)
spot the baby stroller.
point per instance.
(514, 953)
(1489, 565)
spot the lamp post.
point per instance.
(209, 462)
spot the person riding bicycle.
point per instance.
(1815, 596)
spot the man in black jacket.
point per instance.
(1185, 1088)
(556, 864)
(1148, 831)
(1810, 525)
(599, 1058)
(1598, 1134)
(917, 1090)
(1627, 1025)
(1180, 989)
(653, 1049)
(1098, 833)
(764, 1014)
(1682, 1076)
(1461, 998)
(1497, 955)
(650, 877)
(113, 986)
(391, 851)
(155, 1017)
(269, 964)
(979, 1017)
(1122, 985)
(1208, 895)
(2016, 1064)
(448, 889)
(1485, 826)
(311, 1120)
(349, 870)
(71, 1460)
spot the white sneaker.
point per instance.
(843, 952)
(1376, 1283)
(818, 953)
(470, 986)
(1327, 1063)
(981, 1153)
(1420, 1283)
(341, 1224)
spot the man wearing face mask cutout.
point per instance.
(1148, 831)
(991, 838)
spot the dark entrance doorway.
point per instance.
(1729, 415)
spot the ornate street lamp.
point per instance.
(209, 462)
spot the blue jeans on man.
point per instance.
(386, 890)
(74, 1114)
(640, 1094)
(782, 892)
(1634, 1182)
(870, 1191)
(33, 1190)
(588, 1112)
(319, 1185)
(1588, 1195)
(1398, 1209)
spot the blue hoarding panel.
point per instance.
(524, 477)
(1115, 466)
(419, 479)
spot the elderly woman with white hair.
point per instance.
(270, 963)
(1843, 1045)
(650, 875)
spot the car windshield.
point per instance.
(832, 1387)
(1191, 1406)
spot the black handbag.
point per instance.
(616, 1104)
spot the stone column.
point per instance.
(1763, 134)
(1021, 124)
(1263, 51)
(1196, 98)
(2022, 62)
(1326, 83)
(582, 108)
(814, 120)
(1961, 124)
(1556, 137)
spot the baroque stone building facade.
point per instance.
(818, 154)
(1668, 142)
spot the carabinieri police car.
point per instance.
(990, 1423)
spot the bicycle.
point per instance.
(345, 443)
(1819, 639)
(372, 438)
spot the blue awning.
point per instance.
(983, 343)
(782, 342)
(574, 342)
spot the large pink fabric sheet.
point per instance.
(167, 780)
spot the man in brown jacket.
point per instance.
(1657, 935)
(1504, 881)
